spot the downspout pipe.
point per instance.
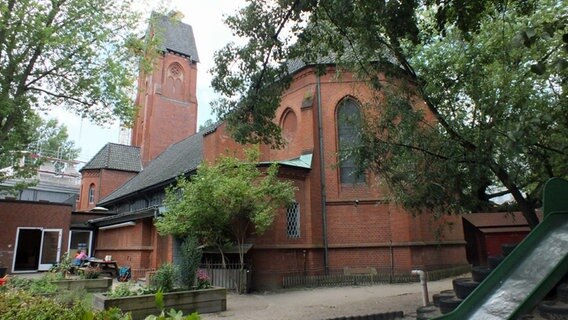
(322, 178)
(424, 285)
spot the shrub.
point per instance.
(165, 277)
(203, 280)
(33, 286)
(90, 273)
(191, 257)
(20, 304)
(122, 290)
(174, 315)
(70, 297)
(64, 266)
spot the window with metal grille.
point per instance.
(293, 220)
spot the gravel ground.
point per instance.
(325, 303)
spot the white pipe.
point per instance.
(119, 225)
(422, 275)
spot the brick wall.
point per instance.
(219, 143)
(138, 246)
(131, 245)
(14, 214)
(112, 180)
(362, 228)
(88, 178)
(105, 182)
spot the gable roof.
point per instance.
(176, 36)
(115, 156)
(178, 159)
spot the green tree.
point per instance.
(52, 140)
(75, 54)
(191, 255)
(491, 74)
(225, 202)
(49, 142)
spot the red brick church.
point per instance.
(338, 220)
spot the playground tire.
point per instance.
(447, 291)
(494, 261)
(463, 289)
(479, 273)
(427, 312)
(506, 248)
(448, 305)
(442, 295)
(562, 292)
(553, 310)
(456, 280)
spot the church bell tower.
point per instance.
(166, 97)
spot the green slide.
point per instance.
(528, 273)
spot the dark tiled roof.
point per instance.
(116, 157)
(177, 36)
(179, 159)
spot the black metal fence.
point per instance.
(341, 279)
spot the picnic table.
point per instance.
(110, 267)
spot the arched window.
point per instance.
(289, 125)
(348, 135)
(92, 193)
(174, 81)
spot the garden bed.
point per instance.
(202, 301)
(90, 285)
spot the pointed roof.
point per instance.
(176, 36)
(114, 156)
(178, 159)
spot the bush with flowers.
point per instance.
(203, 279)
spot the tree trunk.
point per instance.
(223, 260)
(526, 208)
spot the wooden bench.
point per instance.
(106, 267)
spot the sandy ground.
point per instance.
(325, 303)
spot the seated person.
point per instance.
(79, 257)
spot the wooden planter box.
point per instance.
(202, 301)
(90, 285)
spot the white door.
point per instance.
(50, 249)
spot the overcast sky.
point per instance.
(211, 34)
